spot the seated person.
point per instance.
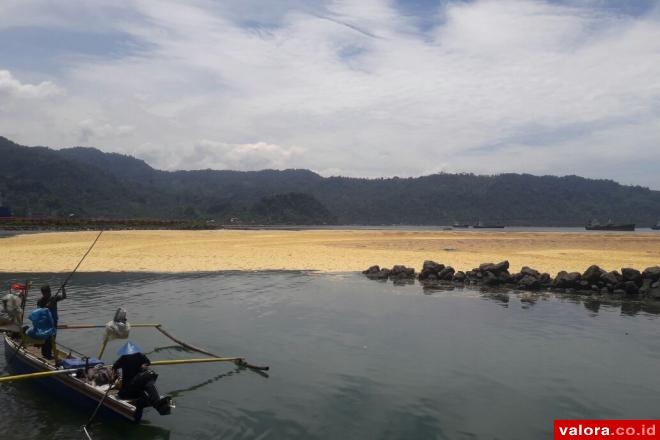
(10, 312)
(43, 329)
(138, 381)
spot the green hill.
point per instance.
(88, 182)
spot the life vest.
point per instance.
(43, 326)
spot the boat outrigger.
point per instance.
(70, 375)
(83, 380)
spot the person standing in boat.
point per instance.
(47, 301)
(137, 380)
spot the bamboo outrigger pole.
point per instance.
(239, 361)
(197, 361)
(37, 375)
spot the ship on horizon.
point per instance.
(595, 225)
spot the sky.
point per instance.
(361, 88)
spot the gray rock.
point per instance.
(654, 293)
(530, 272)
(612, 278)
(489, 279)
(619, 292)
(446, 274)
(545, 279)
(432, 266)
(402, 272)
(604, 290)
(652, 273)
(593, 274)
(371, 270)
(631, 288)
(633, 275)
(529, 282)
(515, 277)
(567, 280)
(494, 268)
(459, 276)
(646, 286)
(504, 277)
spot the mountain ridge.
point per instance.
(89, 182)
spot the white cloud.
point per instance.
(13, 88)
(354, 88)
(256, 156)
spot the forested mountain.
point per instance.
(38, 181)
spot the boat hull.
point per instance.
(67, 387)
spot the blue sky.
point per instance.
(343, 87)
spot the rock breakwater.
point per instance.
(595, 280)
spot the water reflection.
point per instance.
(629, 306)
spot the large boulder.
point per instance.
(430, 270)
(530, 272)
(612, 278)
(490, 279)
(567, 280)
(646, 286)
(631, 287)
(376, 273)
(372, 270)
(402, 272)
(432, 266)
(654, 292)
(545, 279)
(446, 274)
(633, 275)
(459, 276)
(593, 274)
(494, 268)
(652, 273)
(529, 282)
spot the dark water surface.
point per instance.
(356, 359)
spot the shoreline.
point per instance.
(324, 250)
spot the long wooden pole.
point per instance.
(36, 375)
(184, 344)
(88, 326)
(196, 361)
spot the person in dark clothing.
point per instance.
(137, 380)
(48, 301)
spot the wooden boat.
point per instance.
(594, 225)
(79, 391)
(460, 225)
(68, 378)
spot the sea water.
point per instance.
(352, 358)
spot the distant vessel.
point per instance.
(656, 227)
(482, 225)
(594, 225)
(460, 225)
